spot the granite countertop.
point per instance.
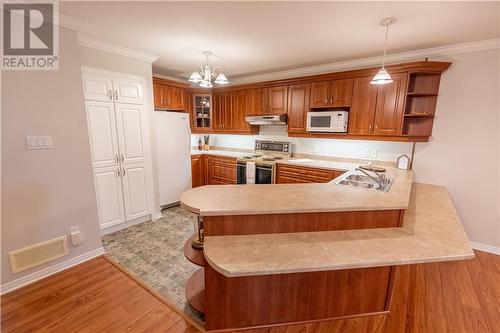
(431, 232)
(213, 200)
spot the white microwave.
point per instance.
(327, 121)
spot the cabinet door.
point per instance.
(176, 98)
(130, 120)
(364, 99)
(108, 188)
(227, 110)
(127, 91)
(159, 98)
(101, 124)
(218, 112)
(260, 101)
(390, 106)
(320, 94)
(135, 195)
(222, 170)
(97, 87)
(278, 99)
(188, 103)
(241, 108)
(207, 177)
(197, 171)
(341, 93)
(298, 106)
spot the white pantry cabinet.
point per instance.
(119, 145)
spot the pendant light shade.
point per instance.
(204, 76)
(221, 79)
(383, 77)
(195, 77)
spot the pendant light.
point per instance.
(203, 76)
(383, 77)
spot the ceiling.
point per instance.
(249, 38)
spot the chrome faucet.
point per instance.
(381, 179)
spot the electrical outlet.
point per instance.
(75, 235)
(366, 152)
(373, 153)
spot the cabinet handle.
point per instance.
(110, 94)
(370, 127)
(123, 158)
(326, 100)
(116, 95)
(117, 160)
(123, 172)
(117, 172)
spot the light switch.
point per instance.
(39, 142)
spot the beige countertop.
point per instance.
(213, 200)
(217, 152)
(431, 232)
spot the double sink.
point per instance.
(357, 179)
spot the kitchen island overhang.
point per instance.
(323, 275)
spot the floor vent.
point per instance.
(38, 254)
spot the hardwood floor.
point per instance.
(96, 296)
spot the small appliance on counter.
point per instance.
(404, 162)
(328, 121)
(261, 164)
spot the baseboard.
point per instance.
(28, 279)
(157, 216)
(110, 230)
(485, 248)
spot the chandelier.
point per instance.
(203, 76)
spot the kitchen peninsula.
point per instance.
(286, 253)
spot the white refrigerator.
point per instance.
(173, 152)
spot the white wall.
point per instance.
(117, 63)
(385, 151)
(464, 155)
(45, 192)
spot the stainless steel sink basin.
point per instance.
(354, 183)
(359, 178)
(356, 179)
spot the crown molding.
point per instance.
(370, 62)
(115, 49)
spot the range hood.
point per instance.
(277, 119)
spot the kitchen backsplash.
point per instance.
(371, 150)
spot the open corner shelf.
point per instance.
(195, 290)
(194, 255)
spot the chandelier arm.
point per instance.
(216, 68)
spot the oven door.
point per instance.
(241, 173)
(263, 174)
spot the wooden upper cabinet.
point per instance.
(336, 93)
(298, 106)
(217, 112)
(272, 100)
(169, 95)
(364, 103)
(260, 101)
(278, 99)
(341, 93)
(242, 107)
(320, 94)
(390, 106)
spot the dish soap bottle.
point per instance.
(200, 144)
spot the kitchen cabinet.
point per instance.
(202, 113)
(335, 93)
(120, 152)
(378, 110)
(170, 96)
(286, 173)
(212, 170)
(101, 87)
(270, 100)
(197, 171)
(298, 106)
(230, 110)
(109, 196)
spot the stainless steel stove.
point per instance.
(265, 156)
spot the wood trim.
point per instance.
(360, 137)
(172, 83)
(300, 222)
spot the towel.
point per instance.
(250, 173)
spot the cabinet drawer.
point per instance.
(297, 174)
(222, 170)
